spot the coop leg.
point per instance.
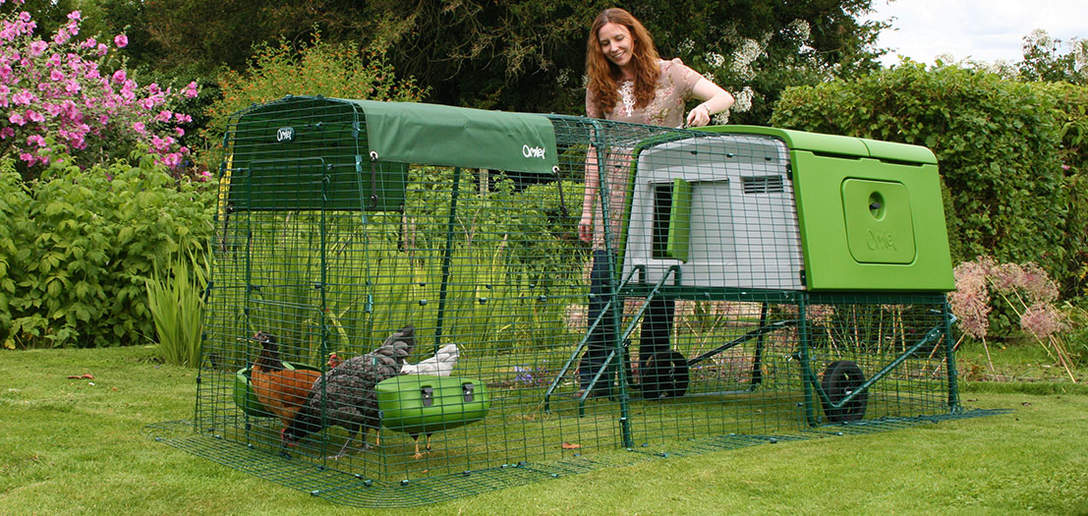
(807, 377)
(757, 360)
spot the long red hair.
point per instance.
(604, 76)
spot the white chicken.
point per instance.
(441, 364)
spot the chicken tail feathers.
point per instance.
(399, 345)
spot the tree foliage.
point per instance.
(525, 55)
(1045, 60)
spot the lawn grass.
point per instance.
(69, 446)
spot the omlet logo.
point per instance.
(532, 152)
(285, 134)
(880, 241)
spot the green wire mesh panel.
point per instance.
(701, 336)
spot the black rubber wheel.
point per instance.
(665, 375)
(841, 378)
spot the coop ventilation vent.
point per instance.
(762, 184)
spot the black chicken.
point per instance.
(346, 396)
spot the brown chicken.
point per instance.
(279, 389)
(345, 396)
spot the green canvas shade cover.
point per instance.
(314, 153)
(433, 134)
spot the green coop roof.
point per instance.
(433, 134)
(840, 145)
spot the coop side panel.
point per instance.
(871, 225)
(742, 230)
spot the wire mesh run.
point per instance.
(399, 322)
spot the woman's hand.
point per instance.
(585, 227)
(716, 100)
(699, 116)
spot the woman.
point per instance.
(628, 82)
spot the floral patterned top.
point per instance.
(675, 86)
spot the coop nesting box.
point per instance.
(757, 207)
(806, 274)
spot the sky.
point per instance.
(979, 30)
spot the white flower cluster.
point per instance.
(743, 100)
(563, 78)
(746, 53)
(801, 29)
(715, 59)
(1080, 54)
(686, 47)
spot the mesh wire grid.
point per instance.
(321, 251)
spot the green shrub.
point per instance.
(998, 143)
(79, 245)
(1072, 111)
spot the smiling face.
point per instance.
(616, 45)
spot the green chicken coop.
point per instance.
(807, 272)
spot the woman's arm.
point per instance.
(715, 100)
(585, 226)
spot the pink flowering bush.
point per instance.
(59, 95)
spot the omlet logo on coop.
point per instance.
(532, 152)
(285, 134)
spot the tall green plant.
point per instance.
(175, 297)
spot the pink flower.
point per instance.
(23, 97)
(163, 116)
(1042, 320)
(35, 139)
(120, 40)
(74, 16)
(139, 127)
(34, 116)
(16, 119)
(970, 302)
(89, 43)
(119, 76)
(56, 75)
(183, 118)
(61, 37)
(37, 47)
(6, 133)
(190, 90)
(103, 119)
(179, 131)
(102, 49)
(172, 160)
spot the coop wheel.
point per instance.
(665, 375)
(841, 378)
